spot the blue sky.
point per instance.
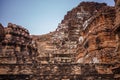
(38, 16)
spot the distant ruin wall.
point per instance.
(1, 32)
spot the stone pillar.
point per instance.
(117, 21)
(117, 7)
(117, 42)
(117, 29)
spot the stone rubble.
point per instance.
(85, 46)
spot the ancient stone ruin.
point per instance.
(85, 46)
(17, 53)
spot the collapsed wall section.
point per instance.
(17, 52)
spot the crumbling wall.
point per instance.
(17, 52)
(117, 7)
(46, 48)
(99, 41)
(67, 35)
(85, 46)
(1, 32)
